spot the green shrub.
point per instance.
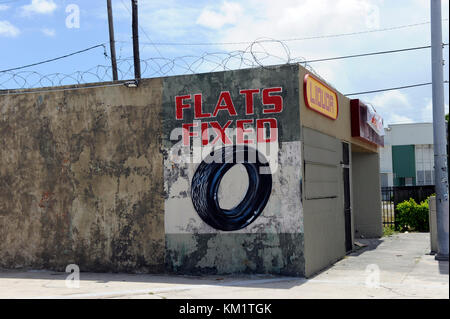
(412, 216)
(388, 230)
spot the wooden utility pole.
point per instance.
(112, 43)
(135, 25)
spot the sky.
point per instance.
(37, 30)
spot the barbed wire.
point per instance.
(256, 55)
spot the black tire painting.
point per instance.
(207, 178)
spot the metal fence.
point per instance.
(387, 205)
(392, 196)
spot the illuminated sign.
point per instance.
(375, 121)
(366, 124)
(320, 98)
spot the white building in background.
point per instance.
(407, 158)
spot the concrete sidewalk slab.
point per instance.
(392, 267)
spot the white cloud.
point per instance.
(287, 19)
(48, 32)
(3, 7)
(393, 106)
(229, 13)
(39, 7)
(427, 111)
(8, 30)
(398, 119)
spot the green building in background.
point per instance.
(407, 158)
(404, 165)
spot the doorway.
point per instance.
(347, 200)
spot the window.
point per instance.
(424, 164)
(428, 178)
(384, 180)
(408, 181)
(420, 177)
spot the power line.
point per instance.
(371, 53)
(58, 58)
(391, 89)
(143, 31)
(298, 39)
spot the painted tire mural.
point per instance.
(206, 181)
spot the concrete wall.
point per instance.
(366, 194)
(87, 177)
(81, 179)
(322, 201)
(102, 177)
(324, 219)
(273, 242)
(409, 134)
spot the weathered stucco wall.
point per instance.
(273, 242)
(81, 179)
(99, 176)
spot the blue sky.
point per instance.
(35, 30)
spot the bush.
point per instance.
(388, 230)
(412, 216)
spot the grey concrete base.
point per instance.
(388, 268)
(226, 253)
(441, 257)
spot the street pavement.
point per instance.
(390, 267)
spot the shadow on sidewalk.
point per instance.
(232, 280)
(368, 245)
(443, 267)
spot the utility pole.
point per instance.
(112, 43)
(439, 134)
(135, 24)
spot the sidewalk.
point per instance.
(405, 271)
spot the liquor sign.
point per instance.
(375, 121)
(363, 126)
(320, 98)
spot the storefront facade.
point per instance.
(248, 171)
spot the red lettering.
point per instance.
(198, 107)
(241, 131)
(249, 100)
(221, 132)
(225, 97)
(276, 101)
(180, 106)
(261, 136)
(187, 133)
(205, 135)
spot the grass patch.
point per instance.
(389, 230)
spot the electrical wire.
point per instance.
(55, 59)
(298, 39)
(371, 53)
(145, 33)
(391, 89)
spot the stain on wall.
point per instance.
(273, 241)
(89, 177)
(81, 179)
